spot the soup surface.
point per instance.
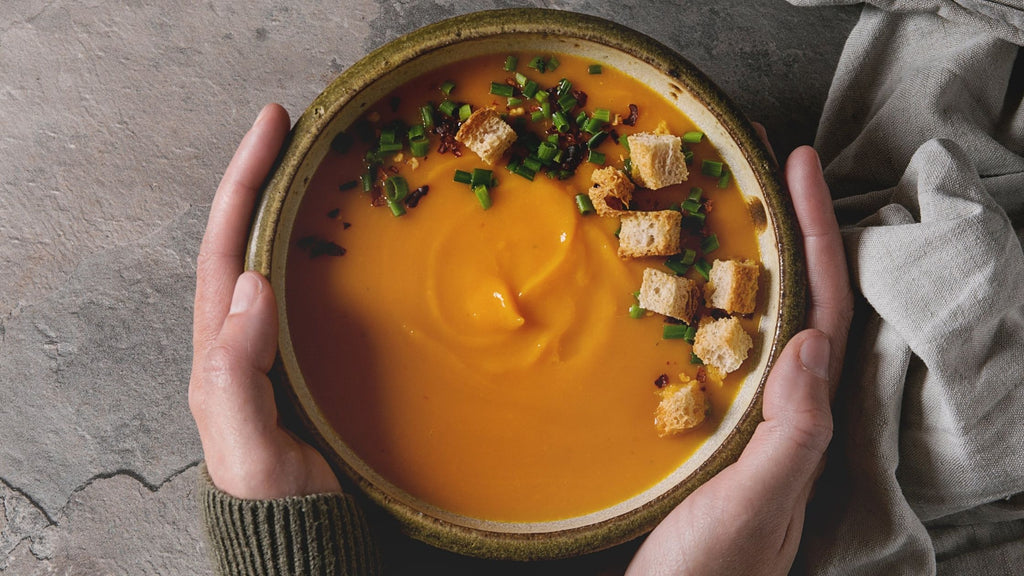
(486, 361)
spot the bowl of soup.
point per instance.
(495, 245)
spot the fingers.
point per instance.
(222, 251)
(787, 447)
(831, 300)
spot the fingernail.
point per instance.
(814, 355)
(260, 116)
(247, 289)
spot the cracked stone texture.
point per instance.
(118, 119)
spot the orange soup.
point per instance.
(492, 362)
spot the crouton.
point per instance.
(684, 405)
(649, 233)
(486, 134)
(608, 183)
(657, 159)
(722, 343)
(732, 286)
(669, 295)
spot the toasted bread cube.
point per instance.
(649, 233)
(722, 343)
(668, 294)
(610, 182)
(732, 286)
(486, 134)
(684, 405)
(657, 159)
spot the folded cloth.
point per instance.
(922, 137)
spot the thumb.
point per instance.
(787, 447)
(250, 328)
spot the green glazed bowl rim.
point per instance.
(313, 124)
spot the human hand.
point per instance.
(748, 518)
(248, 453)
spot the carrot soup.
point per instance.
(469, 329)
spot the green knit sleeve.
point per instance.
(301, 536)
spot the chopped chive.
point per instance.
(584, 205)
(564, 86)
(636, 312)
(616, 233)
(366, 179)
(419, 148)
(480, 177)
(581, 118)
(693, 137)
(593, 125)
(709, 244)
(463, 177)
(594, 69)
(447, 107)
(525, 172)
(347, 185)
(711, 168)
(675, 207)
(416, 132)
(695, 220)
(396, 207)
(704, 268)
(541, 96)
(603, 114)
(567, 102)
(560, 122)
(596, 140)
(533, 163)
(388, 136)
(483, 195)
(510, 63)
(723, 180)
(513, 102)
(537, 115)
(530, 89)
(624, 142)
(674, 331)
(396, 189)
(695, 194)
(447, 87)
(427, 116)
(465, 111)
(552, 64)
(627, 167)
(680, 263)
(546, 151)
(545, 109)
(537, 64)
(513, 164)
(501, 89)
(688, 156)
(694, 359)
(393, 147)
(596, 157)
(521, 79)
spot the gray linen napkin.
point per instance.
(922, 137)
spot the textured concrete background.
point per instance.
(116, 121)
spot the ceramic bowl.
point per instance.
(668, 73)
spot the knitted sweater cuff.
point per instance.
(307, 536)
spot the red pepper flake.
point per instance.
(581, 97)
(348, 185)
(634, 114)
(414, 197)
(702, 376)
(334, 213)
(346, 225)
(662, 381)
(317, 246)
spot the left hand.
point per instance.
(248, 453)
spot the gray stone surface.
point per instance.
(116, 120)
